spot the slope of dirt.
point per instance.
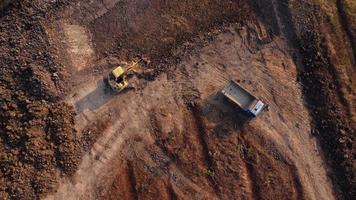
(321, 30)
(333, 109)
(347, 14)
(151, 27)
(37, 137)
(331, 75)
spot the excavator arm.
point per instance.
(119, 80)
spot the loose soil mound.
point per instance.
(37, 137)
(330, 110)
(315, 30)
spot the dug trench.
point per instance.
(174, 136)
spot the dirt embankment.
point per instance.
(347, 15)
(37, 135)
(322, 32)
(329, 89)
(158, 27)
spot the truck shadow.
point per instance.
(219, 110)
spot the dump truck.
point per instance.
(243, 99)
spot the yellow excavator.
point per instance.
(117, 78)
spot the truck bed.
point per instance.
(238, 95)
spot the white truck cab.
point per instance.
(257, 108)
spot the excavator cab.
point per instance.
(117, 79)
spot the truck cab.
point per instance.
(256, 107)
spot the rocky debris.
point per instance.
(42, 81)
(331, 124)
(37, 138)
(34, 144)
(347, 13)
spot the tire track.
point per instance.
(132, 179)
(171, 193)
(256, 194)
(201, 135)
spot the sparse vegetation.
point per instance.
(209, 173)
(171, 136)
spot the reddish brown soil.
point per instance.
(37, 135)
(326, 46)
(347, 10)
(208, 152)
(157, 27)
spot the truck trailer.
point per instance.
(243, 99)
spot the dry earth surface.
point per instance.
(65, 135)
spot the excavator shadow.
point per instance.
(97, 98)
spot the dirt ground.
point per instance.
(162, 117)
(174, 136)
